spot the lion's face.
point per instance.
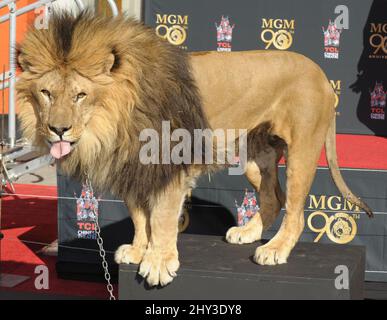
(64, 103)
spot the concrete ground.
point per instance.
(43, 176)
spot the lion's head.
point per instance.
(63, 101)
(66, 81)
(90, 84)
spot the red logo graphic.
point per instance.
(331, 41)
(87, 212)
(378, 102)
(247, 209)
(224, 34)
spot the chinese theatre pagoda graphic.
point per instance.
(331, 41)
(224, 34)
(247, 209)
(378, 102)
(87, 211)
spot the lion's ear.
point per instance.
(111, 62)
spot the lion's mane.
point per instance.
(150, 82)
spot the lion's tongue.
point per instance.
(60, 149)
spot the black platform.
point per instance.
(213, 269)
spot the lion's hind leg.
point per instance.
(263, 175)
(133, 253)
(302, 157)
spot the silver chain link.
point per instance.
(102, 251)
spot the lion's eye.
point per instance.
(46, 93)
(80, 96)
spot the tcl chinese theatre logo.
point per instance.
(378, 40)
(172, 27)
(331, 41)
(334, 217)
(224, 34)
(87, 213)
(277, 33)
(378, 102)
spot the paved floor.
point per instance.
(11, 295)
(43, 176)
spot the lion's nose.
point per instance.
(59, 130)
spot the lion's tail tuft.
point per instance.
(330, 148)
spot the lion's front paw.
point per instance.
(159, 268)
(129, 254)
(271, 254)
(244, 234)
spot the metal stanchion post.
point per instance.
(12, 75)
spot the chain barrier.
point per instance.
(102, 252)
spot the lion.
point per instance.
(89, 85)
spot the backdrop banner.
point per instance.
(348, 39)
(225, 201)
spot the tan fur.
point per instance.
(134, 80)
(292, 93)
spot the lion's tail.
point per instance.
(330, 147)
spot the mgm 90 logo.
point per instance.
(173, 28)
(378, 40)
(339, 226)
(336, 85)
(277, 33)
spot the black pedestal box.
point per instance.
(213, 269)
